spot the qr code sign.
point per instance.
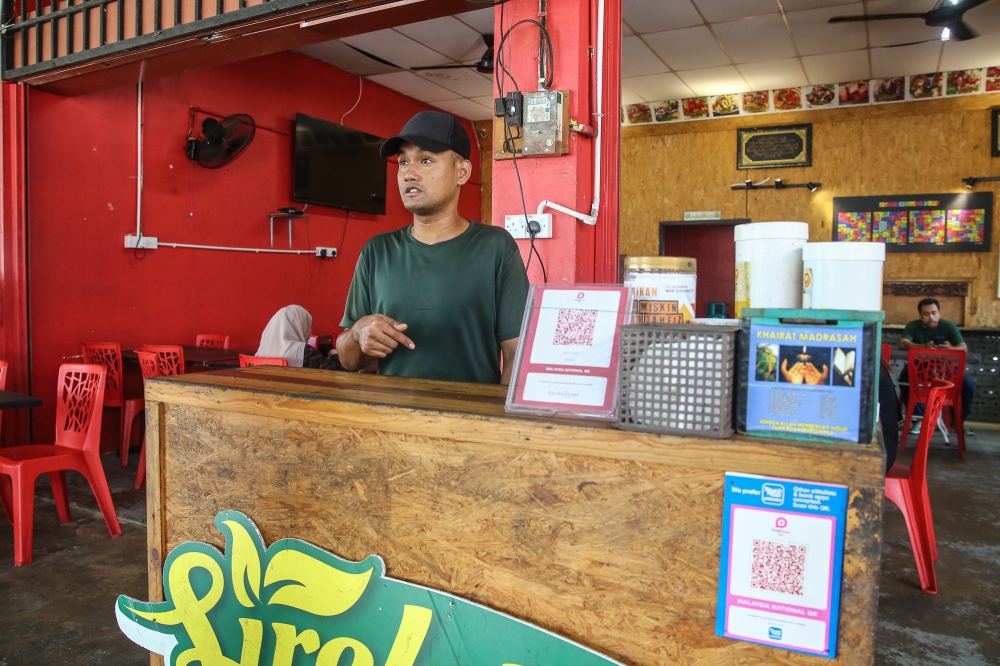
(575, 327)
(778, 567)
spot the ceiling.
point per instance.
(673, 49)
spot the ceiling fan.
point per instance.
(947, 15)
(484, 65)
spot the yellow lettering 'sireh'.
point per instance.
(315, 588)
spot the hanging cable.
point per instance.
(361, 83)
(501, 74)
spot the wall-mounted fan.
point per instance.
(222, 141)
(947, 15)
(484, 65)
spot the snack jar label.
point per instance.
(662, 298)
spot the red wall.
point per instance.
(82, 201)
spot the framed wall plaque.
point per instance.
(995, 133)
(774, 147)
(917, 222)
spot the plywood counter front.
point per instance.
(607, 537)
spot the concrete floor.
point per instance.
(59, 609)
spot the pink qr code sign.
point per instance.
(575, 327)
(778, 567)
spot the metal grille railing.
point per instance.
(39, 35)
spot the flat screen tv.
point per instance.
(338, 166)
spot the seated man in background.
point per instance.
(936, 333)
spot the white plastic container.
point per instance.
(842, 276)
(769, 264)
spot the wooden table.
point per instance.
(607, 537)
(11, 400)
(203, 356)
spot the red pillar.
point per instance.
(13, 255)
(577, 252)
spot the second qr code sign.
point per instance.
(782, 554)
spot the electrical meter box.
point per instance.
(544, 131)
(542, 123)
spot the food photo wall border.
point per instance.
(934, 85)
(917, 223)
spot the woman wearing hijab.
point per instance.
(286, 335)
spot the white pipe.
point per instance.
(542, 205)
(138, 185)
(600, 111)
(233, 249)
(596, 201)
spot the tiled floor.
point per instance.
(59, 610)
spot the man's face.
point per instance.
(930, 315)
(429, 182)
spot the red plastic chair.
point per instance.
(109, 354)
(150, 365)
(169, 357)
(79, 408)
(214, 341)
(924, 365)
(250, 361)
(3, 381)
(906, 487)
(886, 353)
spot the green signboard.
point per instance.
(294, 604)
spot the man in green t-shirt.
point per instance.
(932, 331)
(444, 297)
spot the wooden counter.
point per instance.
(604, 536)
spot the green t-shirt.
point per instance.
(459, 299)
(916, 332)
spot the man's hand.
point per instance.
(370, 338)
(378, 335)
(943, 345)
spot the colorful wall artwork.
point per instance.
(917, 223)
(853, 227)
(890, 226)
(927, 226)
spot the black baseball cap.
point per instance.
(434, 131)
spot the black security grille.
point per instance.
(42, 36)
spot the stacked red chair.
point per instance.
(3, 380)
(150, 365)
(214, 341)
(924, 366)
(886, 353)
(79, 408)
(109, 354)
(906, 487)
(169, 357)
(250, 361)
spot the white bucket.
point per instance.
(769, 264)
(842, 276)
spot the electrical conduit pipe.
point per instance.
(596, 201)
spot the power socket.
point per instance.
(516, 226)
(326, 252)
(140, 242)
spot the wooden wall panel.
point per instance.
(910, 148)
(484, 139)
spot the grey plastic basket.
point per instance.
(677, 379)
